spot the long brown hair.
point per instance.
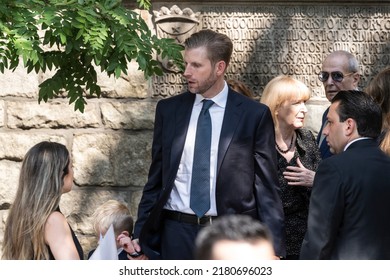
(379, 89)
(38, 195)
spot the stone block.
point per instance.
(2, 104)
(15, 144)
(18, 83)
(54, 114)
(108, 159)
(128, 115)
(131, 85)
(9, 182)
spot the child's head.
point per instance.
(115, 213)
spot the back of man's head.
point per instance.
(362, 108)
(239, 232)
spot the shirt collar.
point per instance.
(355, 140)
(220, 99)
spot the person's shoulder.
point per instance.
(305, 133)
(248, 102)
(56, 226)
(335, 161)
(176, 98)
(172, 103)
(56, 219)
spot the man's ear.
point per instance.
(356, 79)
(220, 67)
(350, 127)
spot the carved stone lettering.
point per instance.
(292, 40)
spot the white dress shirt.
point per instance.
(179, 199)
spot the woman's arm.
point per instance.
(59, 237)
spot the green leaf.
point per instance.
(63, 38)
(78, 25)
(80, 104)
(81, 19)
(118, 72)
(81, 34)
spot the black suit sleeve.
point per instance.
(152, 189)
(269, 205)
(325, 212)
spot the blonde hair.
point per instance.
(281, 89)
(40, 188)
(115, 213)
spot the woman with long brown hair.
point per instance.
(35, 228)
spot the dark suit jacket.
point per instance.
(324, 148)
(247, 179)
(349, 206)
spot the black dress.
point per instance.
(76, 243)
(296, 199)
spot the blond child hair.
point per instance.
(115, 213)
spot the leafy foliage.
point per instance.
(71, 37)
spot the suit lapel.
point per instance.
(230, 121)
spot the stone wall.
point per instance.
(282, 37)
(111, 141)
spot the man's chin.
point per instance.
(330, 95)
(333, 151)
(193, 90)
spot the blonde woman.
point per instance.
(298, 154)
(35, 228)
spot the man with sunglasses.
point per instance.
(340, 71)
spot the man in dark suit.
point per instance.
(243, 175)
(351, 192)
(340, 71)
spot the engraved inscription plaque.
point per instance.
(292, 40)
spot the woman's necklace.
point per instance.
(288, 149)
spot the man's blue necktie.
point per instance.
(200, 184)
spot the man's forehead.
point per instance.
(333, 109)
(336, 64)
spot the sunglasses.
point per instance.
(337, 76)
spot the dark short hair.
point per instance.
(362, 108)
(229, 227)
(219, 46)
